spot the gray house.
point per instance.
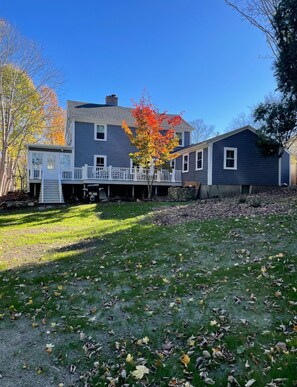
(232, 163)
(95, 157)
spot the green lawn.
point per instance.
(104, 289)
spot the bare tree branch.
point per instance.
(260, 14)
(202, 131)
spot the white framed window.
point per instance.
(100, 132)
(180, 136)
(37, 159)
(51, 162)
(230, 158)
(172, 164)
(65, 162)
(185, 163)
(199, 160)
(100, 161)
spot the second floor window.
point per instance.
(100, 132)
(180, 136)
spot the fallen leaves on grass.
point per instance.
(140, 372)
(185, 359)
(274, 202)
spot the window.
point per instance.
(185, 163)
(51, 162)
(172, 164)
(36, 159)
(100, 132)
(180, 136)
(230, 158)
(100, 161)
(65, 162)
(199, 160)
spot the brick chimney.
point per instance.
(111, 100)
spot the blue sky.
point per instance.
(193, 56)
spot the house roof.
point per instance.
(204, 144)
(48, 146)
(113, 115)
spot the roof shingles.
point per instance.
(112, 115)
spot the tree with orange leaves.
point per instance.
(154, 138)
(54, 118)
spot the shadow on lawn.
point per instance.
(41, 215)
(56, 214)
(83, 258)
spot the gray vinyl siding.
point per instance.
(178, 163)
(193, 175)
(187, 139)
(252, 167)
(116, 148)
(285, 176)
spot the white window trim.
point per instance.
(183, 137)
(183, 170)
(104, 157)
(172, 163)
(95, 132)
(235, 158)
(199, 169)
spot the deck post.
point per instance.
(135, 174)
(108, 190)
(158, 176)
(133, 192)
(84, 172)
(156, 190)
(110, 172)
(173, 176)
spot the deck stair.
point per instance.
(51, 192)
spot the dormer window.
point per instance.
(100, 132)
(180, 136)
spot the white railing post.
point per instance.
(173, 176)
(135, 174)
(110, 172)
(158, 176)
(84, 172)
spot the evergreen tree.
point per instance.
(279, 119)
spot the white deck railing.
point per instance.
(110, 174)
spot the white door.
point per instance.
(51, 166)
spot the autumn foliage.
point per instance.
(154, 138)
(54, 117)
